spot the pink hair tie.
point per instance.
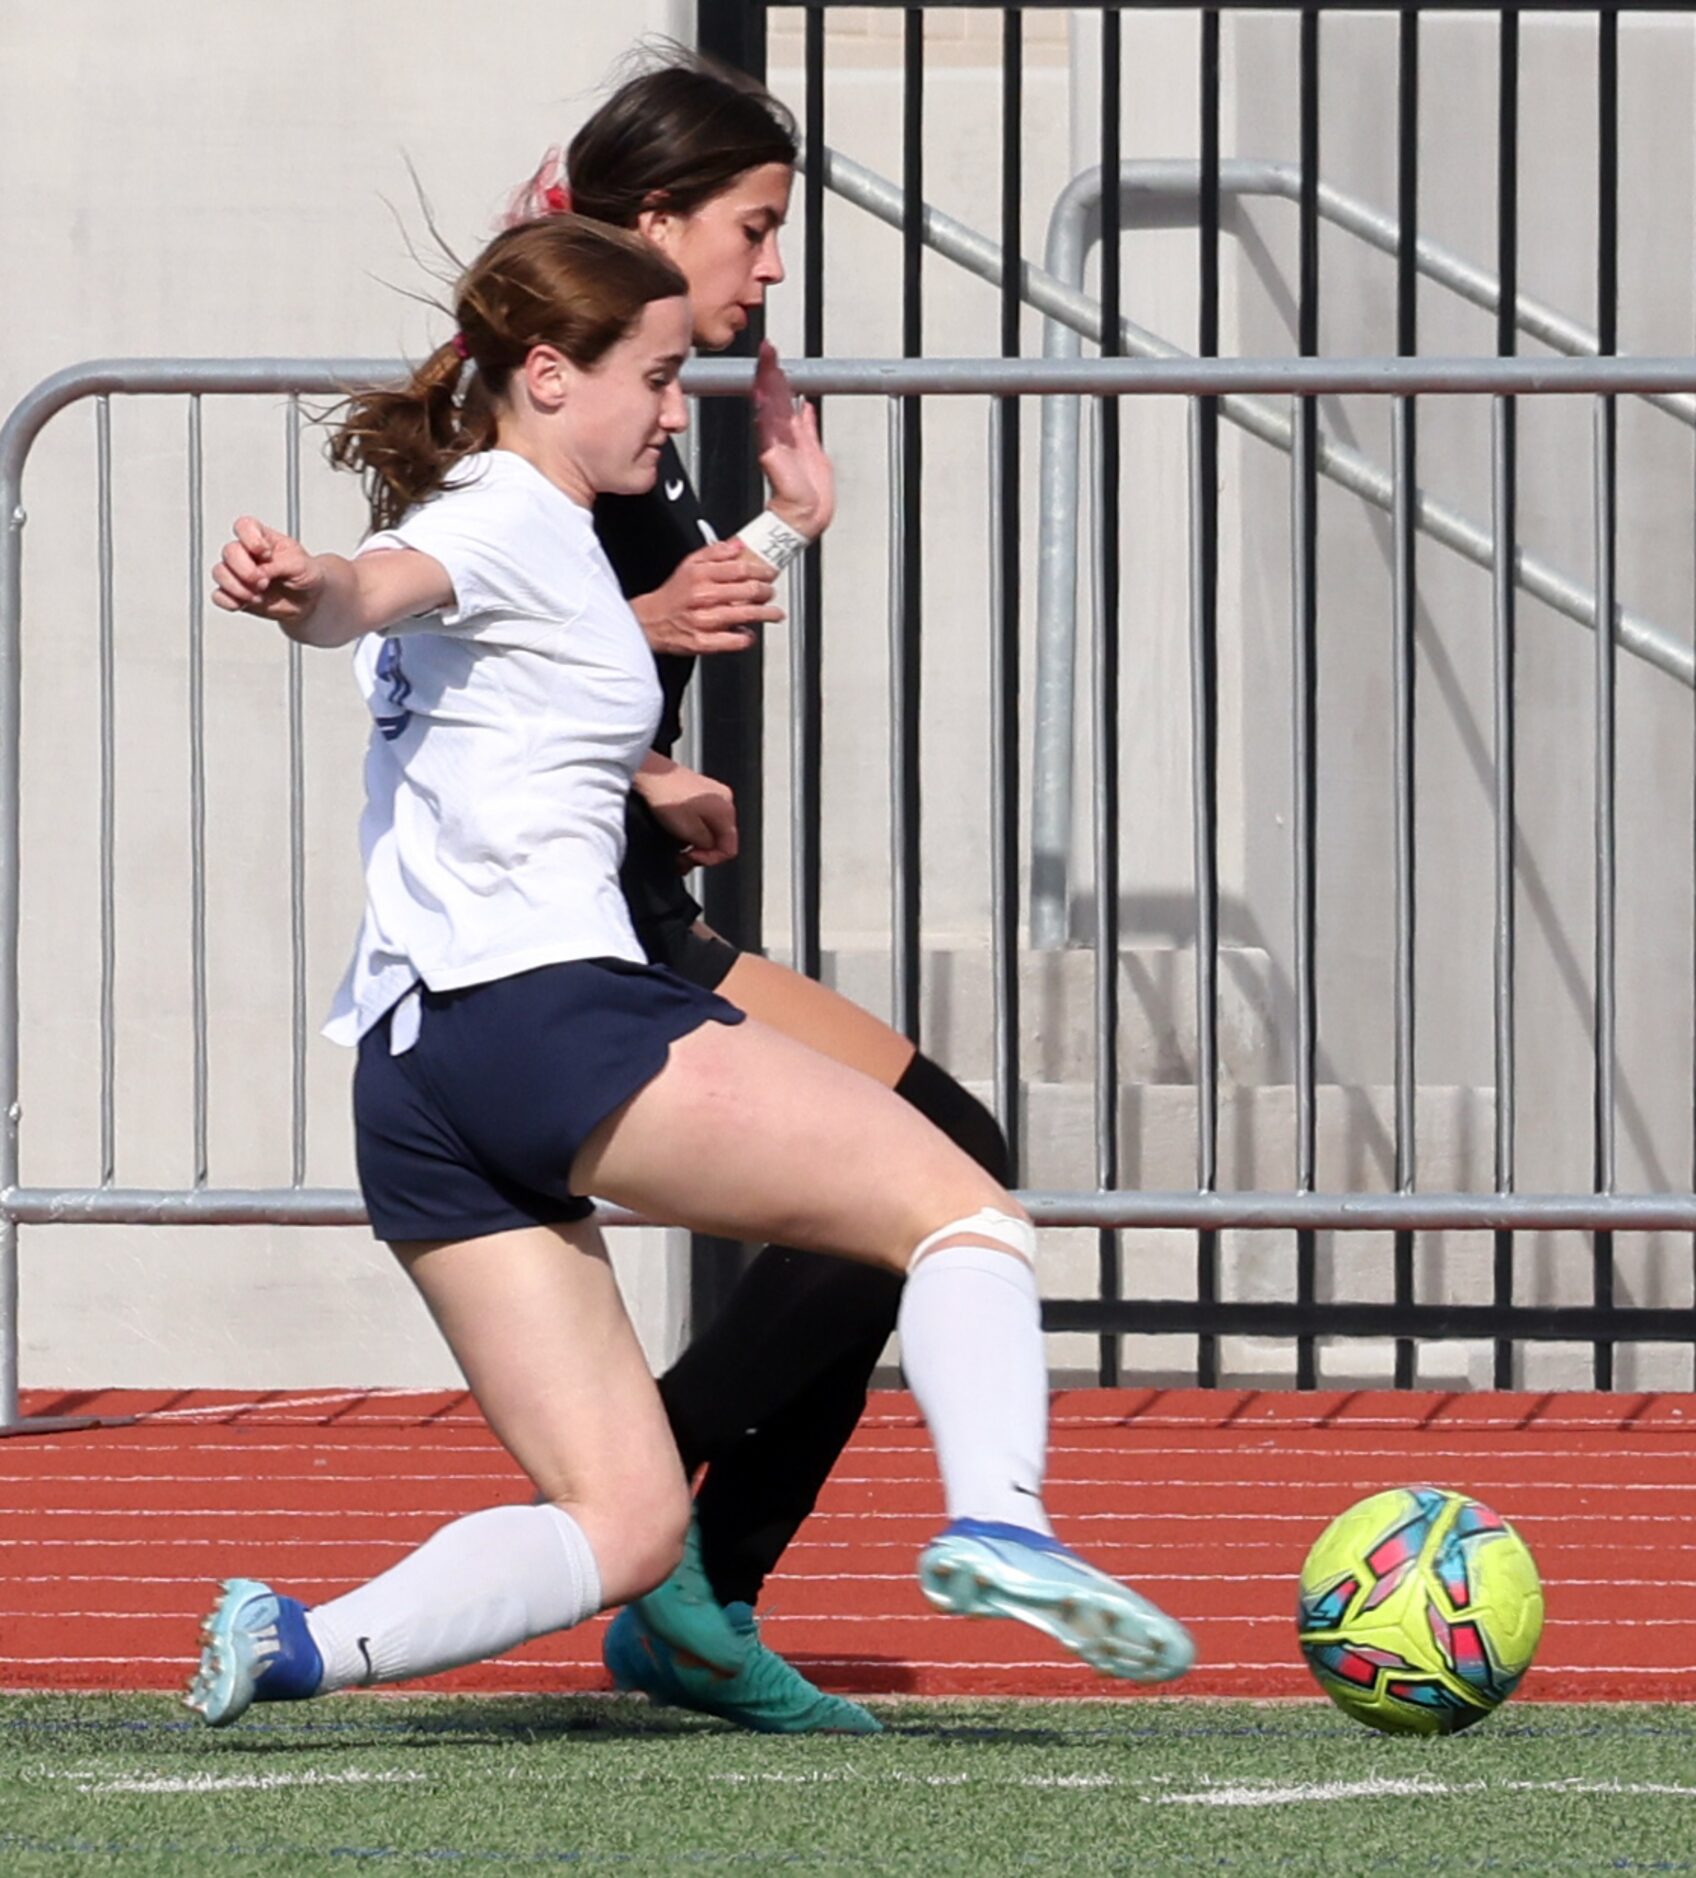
(544, 192)
(459, 345)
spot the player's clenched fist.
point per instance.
(266, 572)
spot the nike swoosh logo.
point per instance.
(673, 491)
(1030, 1491)
(364, 1645)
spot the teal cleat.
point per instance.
(254, 1647)
(765, 1694)
(980, 1568)
(685, 1611)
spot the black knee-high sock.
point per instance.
(769, 1393)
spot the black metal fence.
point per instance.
(732, 691)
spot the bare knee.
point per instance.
(636, 1535)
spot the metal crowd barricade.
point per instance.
(1206, 1209)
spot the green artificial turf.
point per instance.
(129, 1784)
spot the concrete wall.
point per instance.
(188, 193)
(205, 179)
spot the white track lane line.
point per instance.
(1049, 1664)
(1277, 1579)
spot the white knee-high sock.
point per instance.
(479, 1586)
(971, 1344)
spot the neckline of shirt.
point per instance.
(526, 471)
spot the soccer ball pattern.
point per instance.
(1419, 1611)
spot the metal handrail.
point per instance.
(1155, 191)
(1068, 309)
(1348, 468)
(1242, 1210)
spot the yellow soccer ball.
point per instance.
(1420, 1611)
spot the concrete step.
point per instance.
(1157, 1006)
(1453, 1131)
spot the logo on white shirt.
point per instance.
(392, 723)
(673, 491)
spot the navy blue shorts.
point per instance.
(474, 1129)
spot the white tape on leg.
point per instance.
(987, 1226)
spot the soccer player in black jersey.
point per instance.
(701, 162)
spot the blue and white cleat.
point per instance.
(254, 1647)
(981, 1568)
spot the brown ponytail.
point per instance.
(562, 282)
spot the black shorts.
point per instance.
(662, 910)
(703, 958)
(653, 888)
(475, 1128)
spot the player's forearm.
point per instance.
(341, 612)
(369, 595)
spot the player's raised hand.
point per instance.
(268, 573)
(708, 604)
(803, 484)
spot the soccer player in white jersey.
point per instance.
(516, 1052)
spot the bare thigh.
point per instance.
(822, 1019)
(536, 1324)
(750, 1135)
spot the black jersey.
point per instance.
(645, 537)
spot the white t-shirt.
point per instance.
(507, 729)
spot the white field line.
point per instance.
(89, 1782)
(1211, 1793)
(1416, 1786)
(1241, 1793)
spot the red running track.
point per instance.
(1208, 1499)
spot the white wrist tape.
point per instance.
(772, 539)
